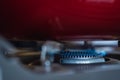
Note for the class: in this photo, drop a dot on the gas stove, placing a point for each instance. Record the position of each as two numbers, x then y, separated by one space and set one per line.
60 59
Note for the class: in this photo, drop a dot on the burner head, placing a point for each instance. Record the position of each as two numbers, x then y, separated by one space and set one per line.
87 56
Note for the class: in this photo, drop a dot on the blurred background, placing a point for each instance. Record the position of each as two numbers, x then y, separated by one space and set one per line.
46 19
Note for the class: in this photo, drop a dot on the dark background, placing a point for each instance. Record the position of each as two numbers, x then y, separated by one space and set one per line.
46 19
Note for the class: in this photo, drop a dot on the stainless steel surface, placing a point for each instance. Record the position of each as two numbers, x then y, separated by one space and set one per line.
95 43
15 71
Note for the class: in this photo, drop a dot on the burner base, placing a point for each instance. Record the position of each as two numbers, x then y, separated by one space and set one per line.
82 61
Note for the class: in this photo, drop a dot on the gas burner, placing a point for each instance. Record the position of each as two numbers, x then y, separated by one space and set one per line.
87 56
70 52
78 56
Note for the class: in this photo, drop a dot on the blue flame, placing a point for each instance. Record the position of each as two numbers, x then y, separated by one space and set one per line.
84 52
